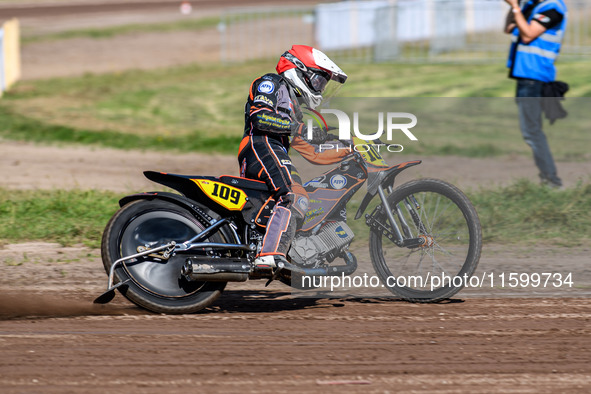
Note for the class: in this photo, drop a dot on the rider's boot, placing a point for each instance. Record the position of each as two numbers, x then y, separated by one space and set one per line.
272 261
265 261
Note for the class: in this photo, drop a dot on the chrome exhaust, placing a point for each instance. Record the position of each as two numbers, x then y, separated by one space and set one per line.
216 270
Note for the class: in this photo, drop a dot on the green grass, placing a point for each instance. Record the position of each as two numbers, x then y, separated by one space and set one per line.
137 28
177 101
67 217
528 212
520 213
200 108
18 127
449 80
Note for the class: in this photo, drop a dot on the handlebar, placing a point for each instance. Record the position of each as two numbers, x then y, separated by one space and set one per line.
347 142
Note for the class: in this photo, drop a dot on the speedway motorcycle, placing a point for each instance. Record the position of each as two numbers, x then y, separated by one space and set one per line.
175 253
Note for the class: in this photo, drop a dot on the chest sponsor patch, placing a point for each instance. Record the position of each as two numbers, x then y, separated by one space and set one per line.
266 87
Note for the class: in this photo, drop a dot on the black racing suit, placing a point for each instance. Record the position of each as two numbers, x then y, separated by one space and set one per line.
272 115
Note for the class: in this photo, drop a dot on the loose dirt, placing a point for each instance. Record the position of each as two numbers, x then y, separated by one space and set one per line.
265 341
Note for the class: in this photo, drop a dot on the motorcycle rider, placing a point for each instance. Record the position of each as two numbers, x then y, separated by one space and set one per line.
273 123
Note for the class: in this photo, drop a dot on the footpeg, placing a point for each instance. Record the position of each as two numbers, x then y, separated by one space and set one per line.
280 267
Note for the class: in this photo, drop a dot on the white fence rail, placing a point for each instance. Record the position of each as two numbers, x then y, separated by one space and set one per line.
378 30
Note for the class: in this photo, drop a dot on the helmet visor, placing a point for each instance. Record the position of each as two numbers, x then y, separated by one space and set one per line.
331 90
318 82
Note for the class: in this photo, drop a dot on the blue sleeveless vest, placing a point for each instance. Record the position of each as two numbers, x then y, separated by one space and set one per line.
536 59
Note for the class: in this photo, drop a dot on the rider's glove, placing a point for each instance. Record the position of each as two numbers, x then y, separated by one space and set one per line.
319 136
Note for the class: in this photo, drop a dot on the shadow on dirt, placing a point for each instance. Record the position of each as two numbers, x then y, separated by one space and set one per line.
262 301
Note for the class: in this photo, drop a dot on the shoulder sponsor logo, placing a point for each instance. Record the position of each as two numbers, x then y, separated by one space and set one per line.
338 182
266 87
263 99
286 162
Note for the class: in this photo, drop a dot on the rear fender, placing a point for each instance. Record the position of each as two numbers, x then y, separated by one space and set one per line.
201 213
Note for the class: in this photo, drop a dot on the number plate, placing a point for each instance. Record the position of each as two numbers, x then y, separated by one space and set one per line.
369 152
229 197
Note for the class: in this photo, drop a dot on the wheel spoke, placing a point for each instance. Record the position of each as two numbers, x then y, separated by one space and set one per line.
447 221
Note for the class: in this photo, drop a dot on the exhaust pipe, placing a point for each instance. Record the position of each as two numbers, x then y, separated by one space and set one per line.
347 269
216 270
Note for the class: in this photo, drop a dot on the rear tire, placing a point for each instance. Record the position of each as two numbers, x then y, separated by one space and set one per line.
453 242
156 284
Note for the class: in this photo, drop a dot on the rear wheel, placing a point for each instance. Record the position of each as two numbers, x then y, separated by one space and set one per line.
445 220
156 282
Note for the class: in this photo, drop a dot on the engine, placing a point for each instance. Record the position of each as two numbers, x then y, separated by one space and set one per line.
326 245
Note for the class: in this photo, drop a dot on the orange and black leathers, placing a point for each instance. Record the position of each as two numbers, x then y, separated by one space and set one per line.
273 122
271 116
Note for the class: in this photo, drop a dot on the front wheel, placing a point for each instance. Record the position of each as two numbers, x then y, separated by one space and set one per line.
447 225
156 283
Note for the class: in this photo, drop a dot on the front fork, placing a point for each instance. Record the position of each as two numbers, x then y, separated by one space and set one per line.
404 237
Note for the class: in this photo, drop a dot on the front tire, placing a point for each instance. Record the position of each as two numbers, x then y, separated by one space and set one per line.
156 284
448 221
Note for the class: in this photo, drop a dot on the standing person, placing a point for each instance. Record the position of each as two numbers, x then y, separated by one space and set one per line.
273 122
537 30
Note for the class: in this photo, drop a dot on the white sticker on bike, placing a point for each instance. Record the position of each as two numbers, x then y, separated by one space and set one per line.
338 182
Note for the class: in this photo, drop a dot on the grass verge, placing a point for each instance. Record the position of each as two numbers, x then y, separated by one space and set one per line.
200 108
66 217
527 212
522 213
17 127
136 28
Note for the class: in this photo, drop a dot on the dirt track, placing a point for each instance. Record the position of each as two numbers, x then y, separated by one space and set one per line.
256 339
31 166
254 342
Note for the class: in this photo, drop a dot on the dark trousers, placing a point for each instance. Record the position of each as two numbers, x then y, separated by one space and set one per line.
529 101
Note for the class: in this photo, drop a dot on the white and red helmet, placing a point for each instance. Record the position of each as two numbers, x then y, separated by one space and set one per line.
309 71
